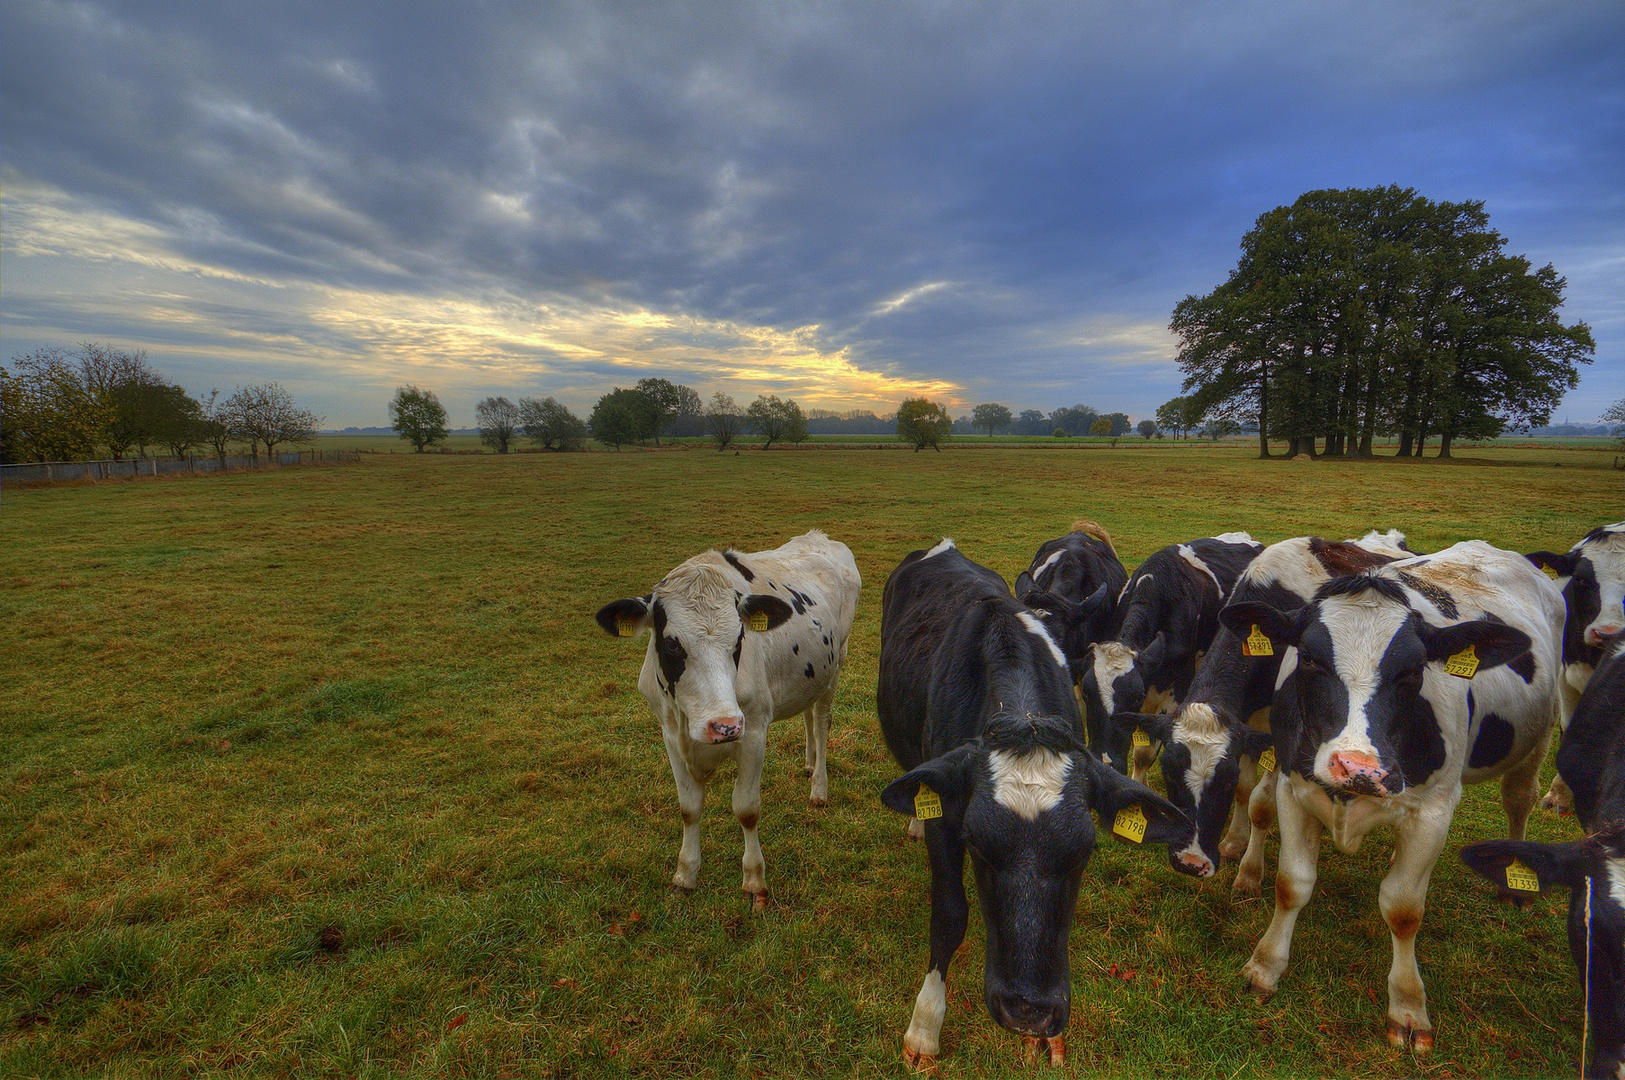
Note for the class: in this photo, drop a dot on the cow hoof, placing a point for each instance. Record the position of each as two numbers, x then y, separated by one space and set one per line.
1255 982
1557 804
920 1063
818 802
1245 887
1033 1046
1232 852
679 885
758 901
1416 1040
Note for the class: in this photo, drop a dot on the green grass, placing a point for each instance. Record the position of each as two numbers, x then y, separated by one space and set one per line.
328 772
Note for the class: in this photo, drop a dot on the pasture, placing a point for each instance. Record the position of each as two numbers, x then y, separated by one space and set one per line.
329 772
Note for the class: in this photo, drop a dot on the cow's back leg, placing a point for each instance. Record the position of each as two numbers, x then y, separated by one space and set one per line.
747 807
1558 797
691 799
1141 758
818 746
1295 871
1260 818
1520 787
1239 832
950 913
1403 898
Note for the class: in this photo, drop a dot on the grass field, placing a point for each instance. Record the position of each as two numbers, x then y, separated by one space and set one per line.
328 772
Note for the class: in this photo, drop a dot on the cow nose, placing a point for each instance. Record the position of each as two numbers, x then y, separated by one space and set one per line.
725 730
1043 1017
1356 769
1596 635
1193 863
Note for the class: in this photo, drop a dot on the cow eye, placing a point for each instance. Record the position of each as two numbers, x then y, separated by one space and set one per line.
1412 679
1308 666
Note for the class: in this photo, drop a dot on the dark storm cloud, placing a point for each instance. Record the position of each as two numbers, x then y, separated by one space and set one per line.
1037 184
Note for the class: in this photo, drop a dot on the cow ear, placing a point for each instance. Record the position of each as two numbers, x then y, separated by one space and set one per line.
1494 643
1150 658
948 777
1555 865
1160 726
759 606
624 618
1553 565
1024 584
1097 612
1281 627
1253 742
1111 793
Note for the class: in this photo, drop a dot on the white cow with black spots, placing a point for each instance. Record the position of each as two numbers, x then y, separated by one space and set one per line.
738 641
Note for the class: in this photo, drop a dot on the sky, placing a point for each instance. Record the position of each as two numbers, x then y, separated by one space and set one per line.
844 203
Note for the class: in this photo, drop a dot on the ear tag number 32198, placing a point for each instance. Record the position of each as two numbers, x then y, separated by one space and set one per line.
927 804
1521 878
1257 644
758 621
1463 665
1130 824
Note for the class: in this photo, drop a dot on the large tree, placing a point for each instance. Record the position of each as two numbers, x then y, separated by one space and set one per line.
991 418
923 422
621 417
724 419
497 419
550 425
47 412
418 417
777 421
669 403
266 413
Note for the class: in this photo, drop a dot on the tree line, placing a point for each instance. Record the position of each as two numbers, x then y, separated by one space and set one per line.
1360 313
58 405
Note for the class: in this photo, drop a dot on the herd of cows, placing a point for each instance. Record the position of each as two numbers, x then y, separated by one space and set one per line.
1321 687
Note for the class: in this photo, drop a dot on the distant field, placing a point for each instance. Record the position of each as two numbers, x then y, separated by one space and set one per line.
328 772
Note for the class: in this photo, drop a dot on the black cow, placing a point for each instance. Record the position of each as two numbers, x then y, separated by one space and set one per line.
1212 743
1592 761
976 703
1073 584
1165 619
1592 577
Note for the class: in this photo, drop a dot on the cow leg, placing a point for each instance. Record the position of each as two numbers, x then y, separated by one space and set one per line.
1295 872
1141 758
1558 797
1238 834
1403 898
1520 787
1260 817
747 806
691 798
950 912
818 747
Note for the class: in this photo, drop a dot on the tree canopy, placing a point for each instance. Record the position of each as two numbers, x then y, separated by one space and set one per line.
777 421
497 419
418 417
991 418
551 425
923 422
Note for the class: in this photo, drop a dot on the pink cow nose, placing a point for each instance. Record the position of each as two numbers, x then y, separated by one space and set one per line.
1595 635
726 730
1192 863
1357 769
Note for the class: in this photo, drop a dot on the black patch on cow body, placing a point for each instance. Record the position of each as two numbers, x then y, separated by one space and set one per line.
1524 665
796 649
733 561
668 650
809 669
797 601
1493 744
739 645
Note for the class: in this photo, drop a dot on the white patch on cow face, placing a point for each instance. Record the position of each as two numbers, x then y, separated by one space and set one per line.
1361 627
1111 659
942 545
1235 538
1046 565
1188 553
1607 557
1198 730
697 601
1028 784
1030 621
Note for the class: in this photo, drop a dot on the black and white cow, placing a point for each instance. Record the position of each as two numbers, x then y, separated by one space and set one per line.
1592 761
976 703
1404 684
1215 739
1592 577
1166 618
1073 583
740 641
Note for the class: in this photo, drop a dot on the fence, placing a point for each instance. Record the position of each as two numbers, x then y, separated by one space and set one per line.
47 472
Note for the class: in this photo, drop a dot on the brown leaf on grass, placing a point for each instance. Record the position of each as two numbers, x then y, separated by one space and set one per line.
456 1022
566 983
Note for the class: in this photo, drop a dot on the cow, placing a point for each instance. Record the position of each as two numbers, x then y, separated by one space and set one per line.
1165 619
1403 684
739 641
1592 577
1216 738
1592 761
976 704
1073 583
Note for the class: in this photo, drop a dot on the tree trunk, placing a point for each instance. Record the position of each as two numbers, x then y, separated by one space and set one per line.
1292 445
1444 445
1421 441
1404 444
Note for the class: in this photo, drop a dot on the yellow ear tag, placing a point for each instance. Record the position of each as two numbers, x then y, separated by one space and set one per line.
626 627
1266 760
1551 571
1141 738
758 621
1130 824
927 804
1521 878
1257 644
1462 665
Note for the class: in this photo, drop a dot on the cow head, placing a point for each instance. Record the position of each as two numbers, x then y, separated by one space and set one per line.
1362 724
698 624
1113 680
1599 860
1019 800
1201 766
1592 575
1072 623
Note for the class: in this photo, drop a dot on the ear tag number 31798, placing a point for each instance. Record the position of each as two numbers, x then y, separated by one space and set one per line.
1258 643
758 621
1130 824
927 804
1463 665
1521 878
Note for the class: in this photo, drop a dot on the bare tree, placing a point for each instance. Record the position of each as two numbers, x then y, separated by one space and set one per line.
266 413
497 418
724 420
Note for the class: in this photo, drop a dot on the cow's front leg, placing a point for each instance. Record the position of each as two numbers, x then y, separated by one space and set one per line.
691 798
1295 872
1238 834
818 747
1520 787
1260 819
1403 898
950 912
1558 797
747 807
